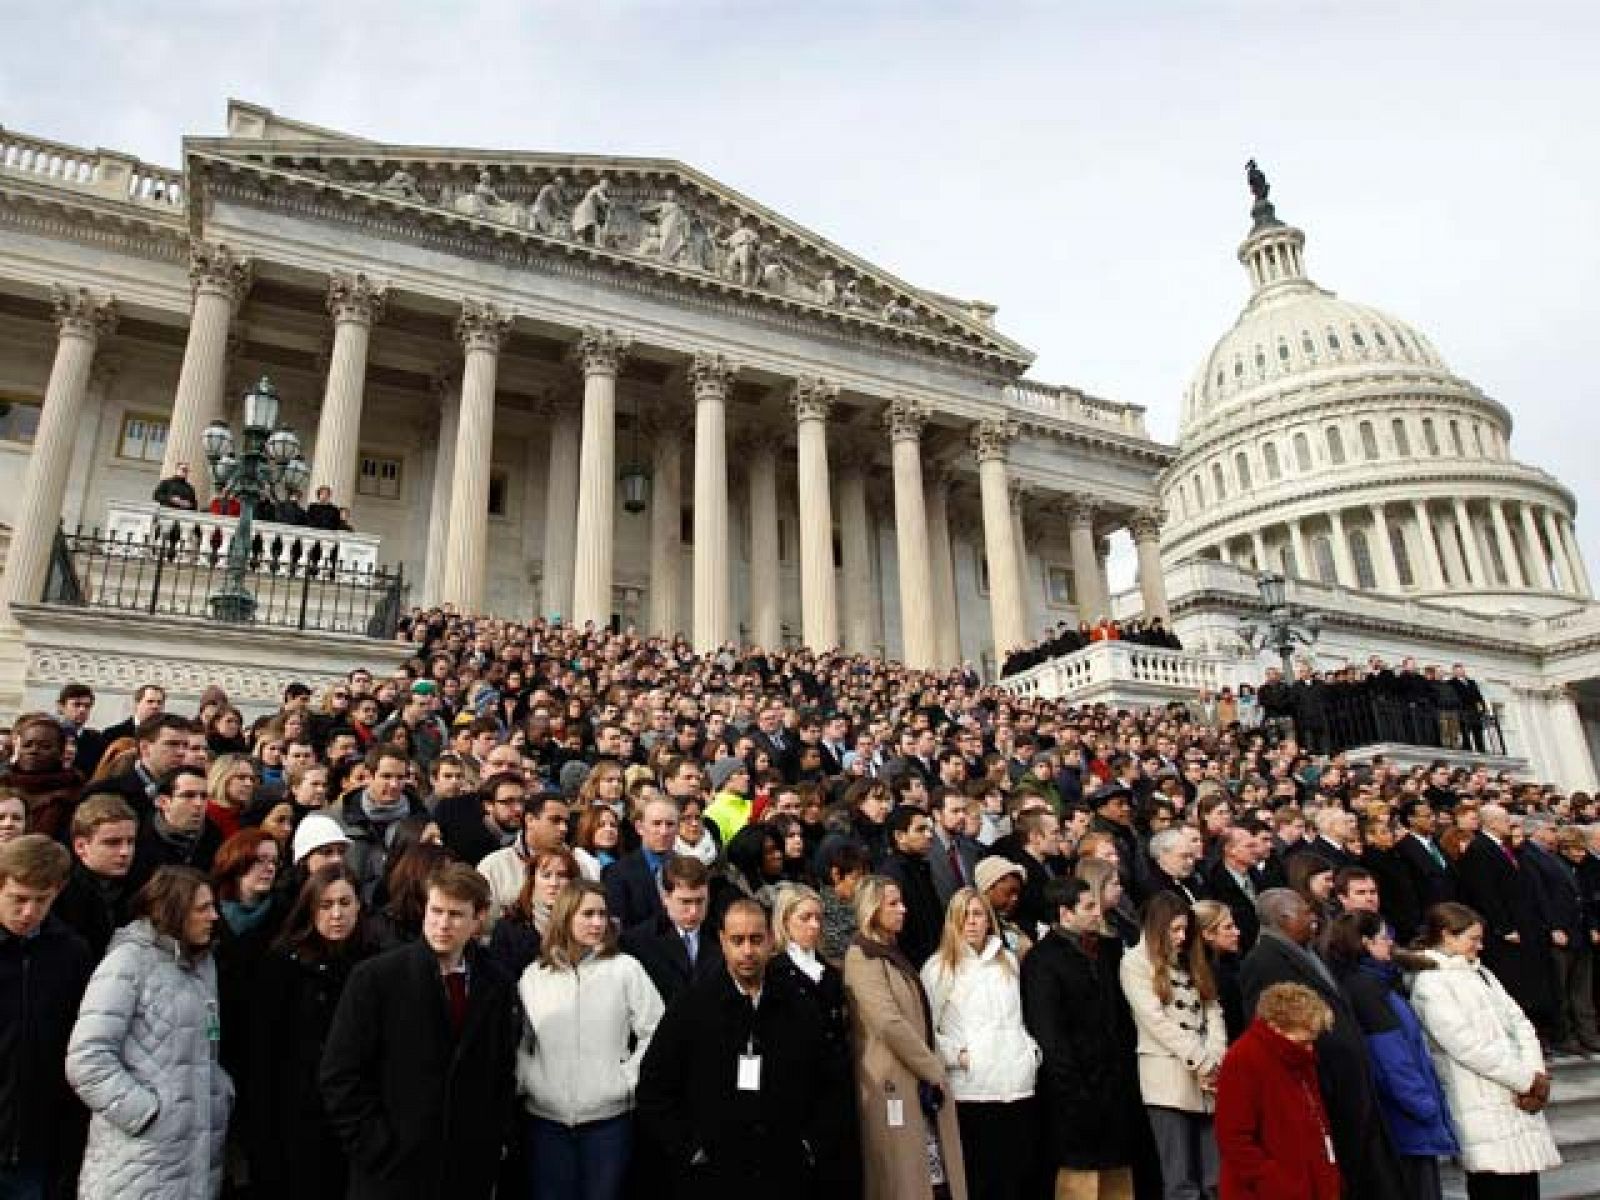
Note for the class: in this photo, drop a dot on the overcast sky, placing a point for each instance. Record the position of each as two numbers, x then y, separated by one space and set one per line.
1078 164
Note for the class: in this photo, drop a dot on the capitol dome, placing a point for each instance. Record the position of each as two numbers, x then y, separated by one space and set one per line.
1329 440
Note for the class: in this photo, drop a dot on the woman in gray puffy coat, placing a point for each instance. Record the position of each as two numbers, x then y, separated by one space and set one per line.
143 1054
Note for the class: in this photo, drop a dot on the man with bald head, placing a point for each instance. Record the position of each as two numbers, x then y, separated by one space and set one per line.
1283 954
1516 937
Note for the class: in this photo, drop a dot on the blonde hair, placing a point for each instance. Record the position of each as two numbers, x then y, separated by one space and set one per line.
560 950
1294 1008
952 941
217 776
871 892
787 900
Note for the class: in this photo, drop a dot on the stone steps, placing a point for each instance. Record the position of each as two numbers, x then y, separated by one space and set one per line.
1574 1116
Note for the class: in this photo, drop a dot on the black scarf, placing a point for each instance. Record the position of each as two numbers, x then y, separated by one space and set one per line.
890 953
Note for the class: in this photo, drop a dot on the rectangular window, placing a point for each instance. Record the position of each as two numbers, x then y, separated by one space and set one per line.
19 419
379 477
1060 592
144 439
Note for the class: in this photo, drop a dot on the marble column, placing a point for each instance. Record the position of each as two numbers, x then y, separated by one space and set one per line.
481 328
904 419
82 319
990 440
220 280
942 567
564 420
1431 574
1473 565
1080 512
1145 526
356 303
1383 558
812 401
1538 563
663 429
1508 546
445 386
1343 563
1574 556
712 376
1027 582
760 448
1305 566
600 352
1558 553
855 538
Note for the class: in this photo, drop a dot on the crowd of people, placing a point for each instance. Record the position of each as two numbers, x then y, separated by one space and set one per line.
175 491
559 912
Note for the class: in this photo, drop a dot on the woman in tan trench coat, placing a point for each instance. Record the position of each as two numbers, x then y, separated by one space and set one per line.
892 1031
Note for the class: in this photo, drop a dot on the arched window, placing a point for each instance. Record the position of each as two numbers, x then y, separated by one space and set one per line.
1238 368
1290 567
1241 470
1361 556
1307 345
1269 454
1430 436
1333 341
1261 361
1322 551
1369 440
1360 342
1455 438
1283 350
1218 487
1477 437
1302 453
1402 556
1199 490
1402 440
1335 446
1377 336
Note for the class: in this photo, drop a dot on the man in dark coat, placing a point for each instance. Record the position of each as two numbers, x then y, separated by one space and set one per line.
1309 697
1469 697
1034 845
417 1074
1283 954
1432 877
1561 902
1237 881
678 947
910 839
633 883
178 833
94 902
1072 1003
1516 937
44 969
738 1091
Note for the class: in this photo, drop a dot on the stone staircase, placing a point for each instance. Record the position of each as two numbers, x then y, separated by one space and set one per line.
1574 1116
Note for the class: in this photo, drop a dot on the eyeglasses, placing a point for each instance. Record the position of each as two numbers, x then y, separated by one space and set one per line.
267 860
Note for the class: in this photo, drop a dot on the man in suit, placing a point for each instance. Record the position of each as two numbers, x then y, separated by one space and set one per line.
74 704
1283 954
677 947
632 883
149 700
1473 708
1034 845
1380 857
1309 697
1336 828
1236 881
1432 877
954 857
1516 938
163 741
781 745
417 1074
1174 856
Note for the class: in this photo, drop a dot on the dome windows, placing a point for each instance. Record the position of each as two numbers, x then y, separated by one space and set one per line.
1241 470
1359 342
1377 336
1218 486
1335 446
1283 351
1430 436
1269 455
1333 341
1369 441
1238 368
1307 345
1402 556
1361 559
1455 438
1302 453
1402 441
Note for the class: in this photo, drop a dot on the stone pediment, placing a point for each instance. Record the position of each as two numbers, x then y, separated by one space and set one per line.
642 214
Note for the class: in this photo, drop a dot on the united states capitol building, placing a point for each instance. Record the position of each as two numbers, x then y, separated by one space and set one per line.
614 389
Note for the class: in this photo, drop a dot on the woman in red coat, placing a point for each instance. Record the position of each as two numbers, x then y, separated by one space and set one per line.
1271 1128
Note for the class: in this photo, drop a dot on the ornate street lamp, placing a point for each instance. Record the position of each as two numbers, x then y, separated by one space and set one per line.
1286 626
269 458
635 476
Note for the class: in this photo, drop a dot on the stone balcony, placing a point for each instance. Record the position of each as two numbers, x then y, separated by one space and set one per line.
141 522
1126 675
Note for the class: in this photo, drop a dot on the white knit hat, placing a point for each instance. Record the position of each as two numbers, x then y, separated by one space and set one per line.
316 831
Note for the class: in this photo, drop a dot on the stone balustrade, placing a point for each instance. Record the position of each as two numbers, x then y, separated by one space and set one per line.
1058 401
139 523
118 176
1126 675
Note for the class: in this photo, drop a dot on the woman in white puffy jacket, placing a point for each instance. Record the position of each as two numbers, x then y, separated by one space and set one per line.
1182 1038
1487 1056
975 991
577 1075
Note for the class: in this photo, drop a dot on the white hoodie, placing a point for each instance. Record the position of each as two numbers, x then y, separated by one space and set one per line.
979 1009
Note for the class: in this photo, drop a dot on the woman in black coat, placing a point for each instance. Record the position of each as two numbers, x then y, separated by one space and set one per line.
293 1150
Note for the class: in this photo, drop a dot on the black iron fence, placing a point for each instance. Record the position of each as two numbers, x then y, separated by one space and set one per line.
1345 722
296 583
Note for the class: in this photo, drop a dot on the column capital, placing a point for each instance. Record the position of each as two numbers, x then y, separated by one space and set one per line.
601 351
1080 511
481 326
1145 524
214 267
904 419
813 398
353 296
990 439
711 375
81 313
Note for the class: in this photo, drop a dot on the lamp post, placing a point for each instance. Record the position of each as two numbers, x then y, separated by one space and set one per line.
269 456
1287 625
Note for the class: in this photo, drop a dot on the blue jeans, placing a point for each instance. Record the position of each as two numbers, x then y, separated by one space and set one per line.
578 1162
23 1183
